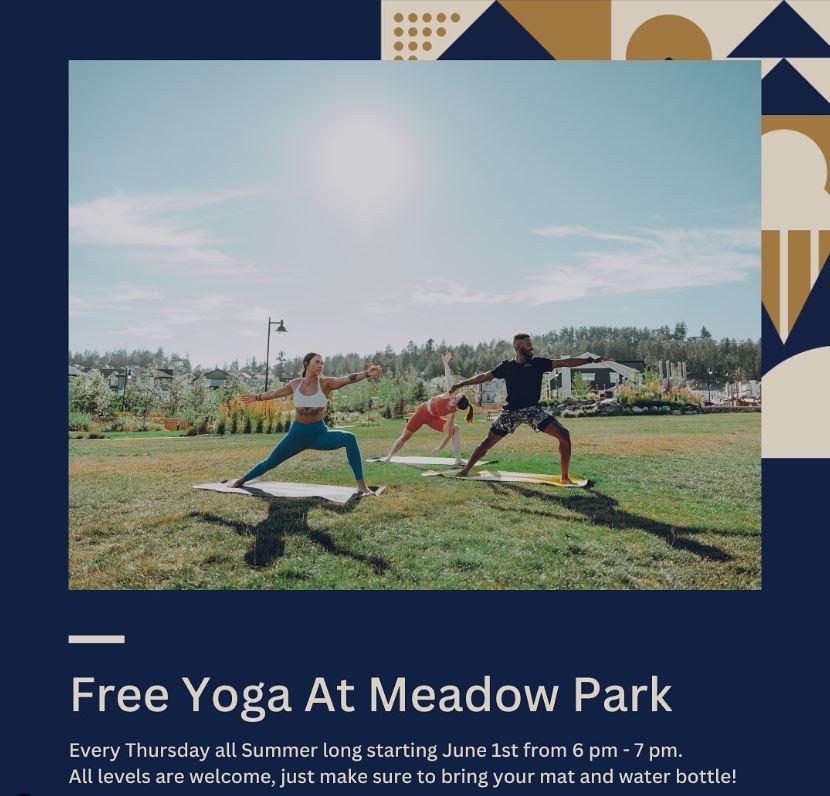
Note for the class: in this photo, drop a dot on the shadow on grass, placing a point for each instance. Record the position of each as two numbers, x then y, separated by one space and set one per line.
289 518
600 509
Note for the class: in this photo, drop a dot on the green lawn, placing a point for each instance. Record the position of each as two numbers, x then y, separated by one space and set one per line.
675 504
130 434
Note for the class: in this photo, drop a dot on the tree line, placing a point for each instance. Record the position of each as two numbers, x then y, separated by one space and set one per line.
727 359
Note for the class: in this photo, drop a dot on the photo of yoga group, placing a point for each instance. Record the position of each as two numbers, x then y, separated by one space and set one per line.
379 326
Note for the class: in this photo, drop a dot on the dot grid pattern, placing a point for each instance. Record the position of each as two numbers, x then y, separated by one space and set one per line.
414 32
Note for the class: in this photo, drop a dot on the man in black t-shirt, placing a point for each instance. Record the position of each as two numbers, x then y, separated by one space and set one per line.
523 376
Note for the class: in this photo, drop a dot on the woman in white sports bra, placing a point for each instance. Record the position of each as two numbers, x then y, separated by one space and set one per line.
308 431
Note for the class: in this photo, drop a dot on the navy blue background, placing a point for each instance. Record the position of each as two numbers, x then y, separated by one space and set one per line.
747 669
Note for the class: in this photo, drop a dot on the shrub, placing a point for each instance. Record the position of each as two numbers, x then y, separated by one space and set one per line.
281 422
247 425
201 402
683 395
259 425
579 385
118 423
79 421
89 393
221 424
202 427
233 427
625 394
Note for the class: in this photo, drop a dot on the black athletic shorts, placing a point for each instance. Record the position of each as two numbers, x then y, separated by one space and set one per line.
510 419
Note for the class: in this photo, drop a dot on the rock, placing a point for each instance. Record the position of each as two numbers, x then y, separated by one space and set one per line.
637 410
665 410
676 412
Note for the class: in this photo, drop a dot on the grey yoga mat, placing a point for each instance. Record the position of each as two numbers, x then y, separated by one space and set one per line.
287 489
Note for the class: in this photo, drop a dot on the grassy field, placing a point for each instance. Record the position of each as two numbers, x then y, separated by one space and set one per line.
675 504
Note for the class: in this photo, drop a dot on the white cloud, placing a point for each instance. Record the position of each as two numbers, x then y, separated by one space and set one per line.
448 291
218 315
387 305
115 298
166 230
144 316
554 231
664 259
153 221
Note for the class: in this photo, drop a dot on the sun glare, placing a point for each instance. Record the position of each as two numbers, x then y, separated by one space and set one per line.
365 162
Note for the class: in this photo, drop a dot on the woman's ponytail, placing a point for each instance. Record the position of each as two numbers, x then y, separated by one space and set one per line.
465 404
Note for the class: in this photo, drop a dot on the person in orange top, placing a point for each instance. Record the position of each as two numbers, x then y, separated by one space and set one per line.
439 414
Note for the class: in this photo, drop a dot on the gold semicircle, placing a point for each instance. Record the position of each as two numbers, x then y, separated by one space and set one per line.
668 37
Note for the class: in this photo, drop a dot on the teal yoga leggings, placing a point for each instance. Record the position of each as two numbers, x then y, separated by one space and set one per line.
311 436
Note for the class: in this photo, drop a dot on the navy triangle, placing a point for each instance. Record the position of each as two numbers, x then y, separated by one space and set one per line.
785 91
496 35
811 329
782 34
772 349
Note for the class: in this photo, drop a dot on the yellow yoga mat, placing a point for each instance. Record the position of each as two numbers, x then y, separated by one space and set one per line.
422 460
506 476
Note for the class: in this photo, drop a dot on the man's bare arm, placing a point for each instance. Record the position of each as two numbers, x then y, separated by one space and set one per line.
478 379
575 362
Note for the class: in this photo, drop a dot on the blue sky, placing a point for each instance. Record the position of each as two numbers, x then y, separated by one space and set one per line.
373 203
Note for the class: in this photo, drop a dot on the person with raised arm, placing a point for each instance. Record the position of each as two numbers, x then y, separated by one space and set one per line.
439 414
309 431
523 377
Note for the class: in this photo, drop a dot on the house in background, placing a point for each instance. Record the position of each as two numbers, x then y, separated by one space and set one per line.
158 379
491 392
74 372
163 380
602 376
213 378
257 380
116 378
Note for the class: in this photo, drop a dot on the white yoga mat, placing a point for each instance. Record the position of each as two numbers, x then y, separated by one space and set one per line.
287 489
432 461
509 477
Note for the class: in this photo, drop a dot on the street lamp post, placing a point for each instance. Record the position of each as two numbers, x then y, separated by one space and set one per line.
709 383
280 329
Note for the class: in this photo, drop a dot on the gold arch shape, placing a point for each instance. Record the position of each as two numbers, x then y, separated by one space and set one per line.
668 36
